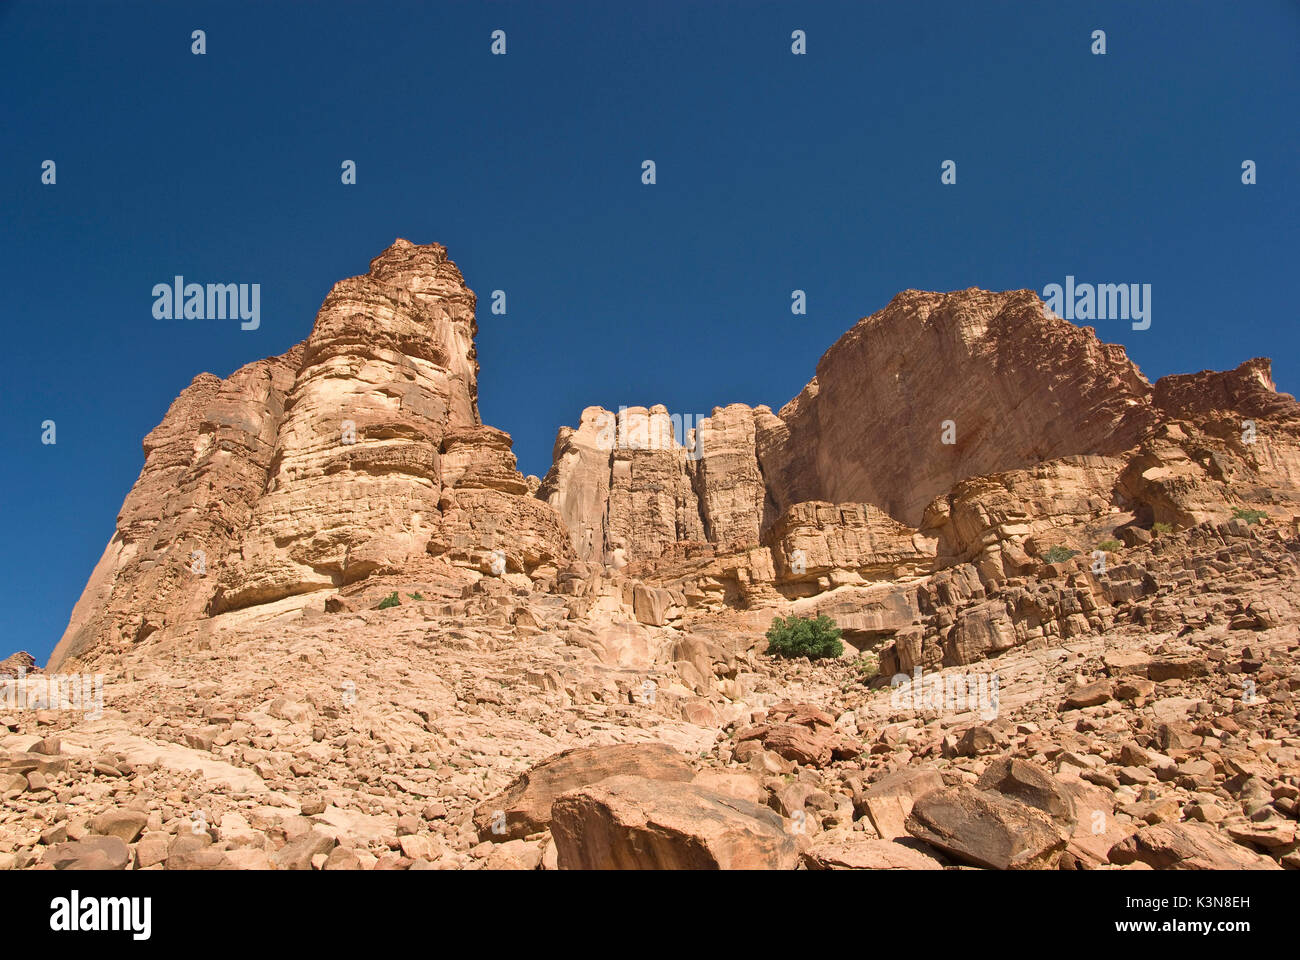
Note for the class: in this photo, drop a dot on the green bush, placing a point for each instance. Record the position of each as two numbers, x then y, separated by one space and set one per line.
1059 554
1110 546
804 637
1250 516
390 601
416 596
1161 528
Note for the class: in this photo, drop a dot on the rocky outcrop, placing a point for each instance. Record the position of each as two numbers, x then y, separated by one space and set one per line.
1005 382
635 484
1021 389
205 467
386 375
820 543
524 807
18 664
1230 441
340 625
358 453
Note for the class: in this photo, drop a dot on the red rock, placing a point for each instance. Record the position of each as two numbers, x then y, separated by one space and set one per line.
986 829
524 807
633 823
1187 846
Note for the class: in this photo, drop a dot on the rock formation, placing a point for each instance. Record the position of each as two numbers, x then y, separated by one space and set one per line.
358 452
337 621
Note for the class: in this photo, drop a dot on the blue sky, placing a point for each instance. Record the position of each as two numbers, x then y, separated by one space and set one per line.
775 172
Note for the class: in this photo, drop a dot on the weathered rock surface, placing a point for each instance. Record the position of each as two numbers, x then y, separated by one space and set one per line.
634 823
986 829
524 808
867 855
358 453
1186 846
326 654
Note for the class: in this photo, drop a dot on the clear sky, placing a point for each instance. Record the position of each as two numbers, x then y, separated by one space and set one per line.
775 172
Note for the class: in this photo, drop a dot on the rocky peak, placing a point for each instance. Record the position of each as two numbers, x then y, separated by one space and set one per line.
321 467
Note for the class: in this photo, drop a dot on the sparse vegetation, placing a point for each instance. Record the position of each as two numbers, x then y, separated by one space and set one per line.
390 601
804 637
1110 546
867 665
1159 528
415 596
1249 515
1059 554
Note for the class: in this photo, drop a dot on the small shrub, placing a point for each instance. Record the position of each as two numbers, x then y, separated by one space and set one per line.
1110 546
1161 528
1059 554
390 601
415 596
867 665
804 637
1250 516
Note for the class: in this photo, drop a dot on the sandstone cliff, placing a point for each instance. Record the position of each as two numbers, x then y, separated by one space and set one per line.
585 656
933 391
968 433
358 452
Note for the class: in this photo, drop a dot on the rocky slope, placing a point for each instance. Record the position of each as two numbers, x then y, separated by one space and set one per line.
338 629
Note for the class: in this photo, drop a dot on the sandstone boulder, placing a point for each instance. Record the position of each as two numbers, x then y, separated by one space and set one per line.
866 854
986 829
524 807
1187 846
634 823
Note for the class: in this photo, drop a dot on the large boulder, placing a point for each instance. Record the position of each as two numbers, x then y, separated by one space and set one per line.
635 823
91 853
524 807
888 801
986 829
127 825
1187 846
1023 781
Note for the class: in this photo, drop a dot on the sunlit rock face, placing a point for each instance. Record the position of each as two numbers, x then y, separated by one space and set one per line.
359 452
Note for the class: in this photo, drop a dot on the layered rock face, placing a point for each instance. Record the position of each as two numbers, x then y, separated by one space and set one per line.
975 418
967 438
387 372
205 467
1229 439
358 453
1012 385
338 622
633 484
1006 383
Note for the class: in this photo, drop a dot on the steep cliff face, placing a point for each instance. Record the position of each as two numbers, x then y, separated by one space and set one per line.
931 390
967 433
360 452
938 387
632 484
205 466
1227 440
387 372
977 420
